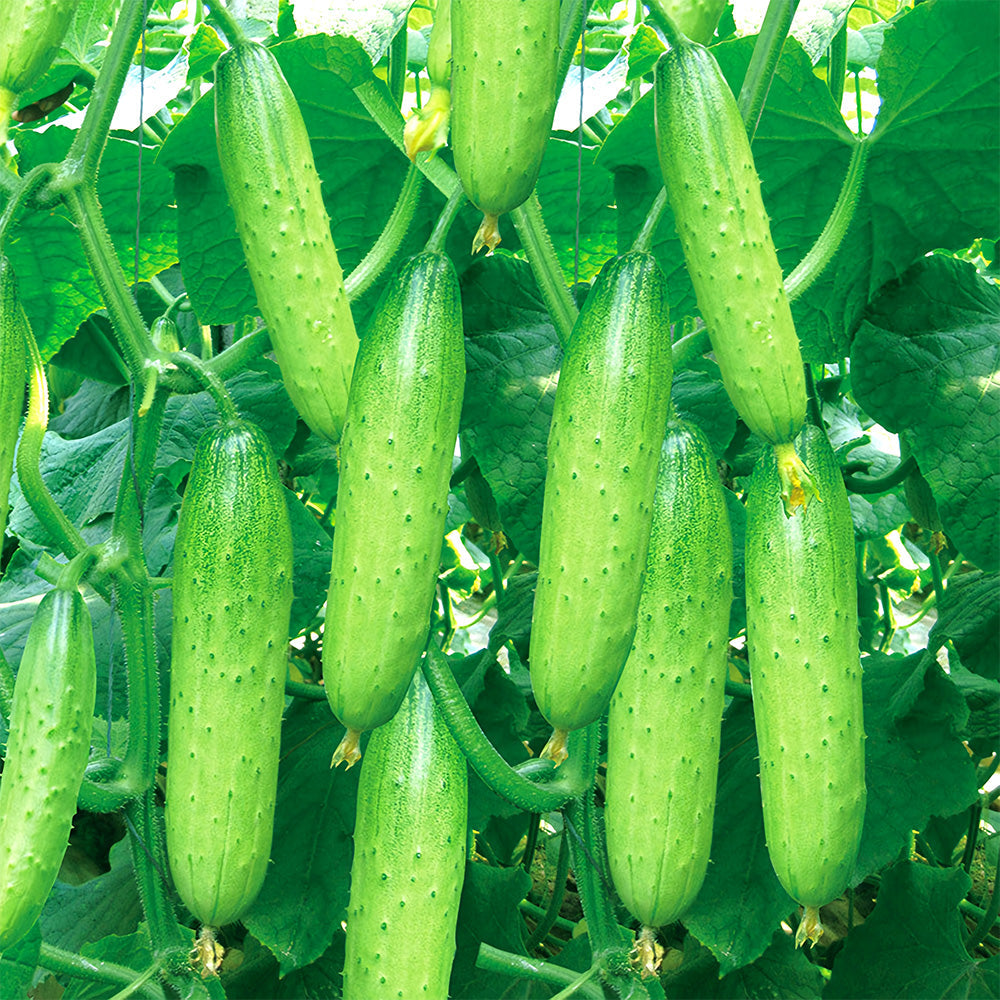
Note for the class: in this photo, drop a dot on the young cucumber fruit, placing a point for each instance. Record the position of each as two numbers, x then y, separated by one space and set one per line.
409 857
665 719
503 93
395 463
232 598
13 376
47 752
802 638
608 423
269 174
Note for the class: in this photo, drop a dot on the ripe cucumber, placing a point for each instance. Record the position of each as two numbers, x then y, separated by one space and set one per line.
47 752
232 594
802 636
409 857
666 713
269 174
395 463
503 93
608 423
730 256
13 376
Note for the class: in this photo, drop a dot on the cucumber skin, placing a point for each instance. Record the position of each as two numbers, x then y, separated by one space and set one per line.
232 596
31 34
724 231
13 378
47 752
503 93
409 856
396 459
270 176
802 637
665 720
608 423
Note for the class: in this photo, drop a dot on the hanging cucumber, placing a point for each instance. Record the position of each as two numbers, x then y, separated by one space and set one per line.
503 94
665 718
395 463
608 423
47 751
730 256
13 378
232 597
426 129
269 174
409 857
802 638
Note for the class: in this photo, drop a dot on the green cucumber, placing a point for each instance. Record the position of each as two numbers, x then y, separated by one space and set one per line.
409 857
802 638
47 752
608 423
426 129
665 720
503 93
392 499
730 256
13 378
270 176
232 598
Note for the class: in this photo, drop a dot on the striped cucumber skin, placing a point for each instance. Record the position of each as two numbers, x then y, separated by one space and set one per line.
232 598
395 463
13 376
503 94
802 635
714 191
31 33
409 857
270 176
665 719
608 423
47 752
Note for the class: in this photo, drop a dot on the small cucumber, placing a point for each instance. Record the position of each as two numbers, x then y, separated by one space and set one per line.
270 176
608 423
409 857
47 752
426 129
13 377
232 598
392 499
503 93
665 718
802 637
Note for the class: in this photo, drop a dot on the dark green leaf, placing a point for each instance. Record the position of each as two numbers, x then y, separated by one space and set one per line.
698 395
204 49
513 622
969 617
313 548
17 965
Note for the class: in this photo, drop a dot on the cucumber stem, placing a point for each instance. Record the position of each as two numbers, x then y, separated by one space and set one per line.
764 61
217 389
505 963
883 483
644 240
547 920
836 65
68 963
230 26
439 235
26 187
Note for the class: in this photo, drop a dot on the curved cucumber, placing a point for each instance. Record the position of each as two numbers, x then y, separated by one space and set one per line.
503 95
13 378
802 637
395 458
666 714
232 594
47 752
608 423
409 857
714 191
270 176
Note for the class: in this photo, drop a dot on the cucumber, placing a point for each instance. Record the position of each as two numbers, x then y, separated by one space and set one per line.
664 724
503 93
13 378
269 174
426 129
392 499
730 256
232 598
409 857
802 638
47 752
608 423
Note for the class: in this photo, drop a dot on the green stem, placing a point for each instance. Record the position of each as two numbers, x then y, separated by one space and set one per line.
828 242
219 13
530 842
225 364
390 239
309 692
536 912
937 579
836 65
690 348
545 266
217 389
505 963
436 241
547 920
737 690
661 14
883 483
645 238
857 104
482 755
92 970
972 835
764 61
572 17
989 918
26 187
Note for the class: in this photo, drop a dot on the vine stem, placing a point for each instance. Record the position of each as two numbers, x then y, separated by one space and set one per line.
505 963
989 917
436 241
547 921
230 26
764 61
94 970
26 187
217 389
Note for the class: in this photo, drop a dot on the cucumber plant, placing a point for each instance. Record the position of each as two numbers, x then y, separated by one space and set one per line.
13 377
